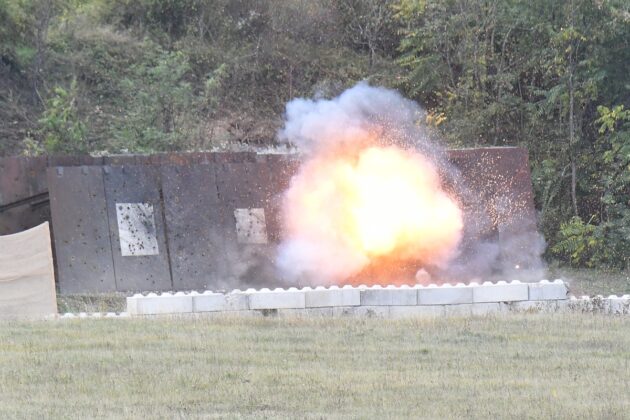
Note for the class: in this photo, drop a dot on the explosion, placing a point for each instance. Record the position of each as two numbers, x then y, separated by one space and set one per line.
360 199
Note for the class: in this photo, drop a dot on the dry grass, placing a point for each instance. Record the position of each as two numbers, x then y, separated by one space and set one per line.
94 302
526 366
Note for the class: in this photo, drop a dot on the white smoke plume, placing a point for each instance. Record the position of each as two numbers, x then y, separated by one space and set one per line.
375 189
368 189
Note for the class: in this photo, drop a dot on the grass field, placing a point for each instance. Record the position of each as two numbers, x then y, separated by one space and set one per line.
593 282
519 366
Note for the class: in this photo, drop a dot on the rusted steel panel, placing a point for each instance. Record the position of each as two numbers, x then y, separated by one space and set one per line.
23 198
21 218
72 160
498 203
220 213
134 208
281 168
81 230
248 186
14 181
500 178
194 223
234 157
119 160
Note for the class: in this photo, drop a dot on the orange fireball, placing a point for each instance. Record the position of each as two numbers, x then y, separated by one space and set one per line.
352 209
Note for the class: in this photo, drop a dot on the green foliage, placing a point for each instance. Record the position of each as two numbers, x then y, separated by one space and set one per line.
534 74
606 243
81 76
578 242
158 101
14 33
615 182
61 127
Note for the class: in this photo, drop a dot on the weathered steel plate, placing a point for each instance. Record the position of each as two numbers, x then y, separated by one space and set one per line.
195 235
248 185
140 185
81 230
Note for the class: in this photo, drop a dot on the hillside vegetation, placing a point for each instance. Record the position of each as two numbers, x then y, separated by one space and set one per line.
111 76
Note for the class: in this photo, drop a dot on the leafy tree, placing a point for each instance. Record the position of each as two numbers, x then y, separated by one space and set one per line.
158 101
531 74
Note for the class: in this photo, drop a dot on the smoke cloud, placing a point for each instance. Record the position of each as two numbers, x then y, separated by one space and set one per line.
375 194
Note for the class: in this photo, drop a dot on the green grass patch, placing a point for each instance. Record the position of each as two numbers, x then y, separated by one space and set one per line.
520 366
592 282
92 302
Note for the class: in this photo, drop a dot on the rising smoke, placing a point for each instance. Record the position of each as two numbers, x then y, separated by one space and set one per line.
375 189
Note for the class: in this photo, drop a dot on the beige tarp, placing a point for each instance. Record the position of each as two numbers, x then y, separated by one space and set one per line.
27 279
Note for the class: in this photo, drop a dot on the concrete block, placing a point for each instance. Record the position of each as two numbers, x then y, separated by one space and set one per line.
500 292
132 303
236 302
563 305
460 310
545 290
482 309
389 296
367 311
586 304
208 302
306 313
166 303
532 306
277 299
618 305
445 295
230 314
343 311
321 297
415 311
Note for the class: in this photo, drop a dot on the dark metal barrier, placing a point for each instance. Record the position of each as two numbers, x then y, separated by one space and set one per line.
187 221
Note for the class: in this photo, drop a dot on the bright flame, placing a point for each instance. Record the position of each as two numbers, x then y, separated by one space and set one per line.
343 211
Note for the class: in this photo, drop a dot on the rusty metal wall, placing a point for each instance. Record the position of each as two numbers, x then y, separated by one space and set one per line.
499 207
246 186
23 194
137 184
24 189
82 239
194 225
196 202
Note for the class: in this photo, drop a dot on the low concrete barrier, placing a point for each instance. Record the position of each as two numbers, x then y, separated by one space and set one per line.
27 279
378 301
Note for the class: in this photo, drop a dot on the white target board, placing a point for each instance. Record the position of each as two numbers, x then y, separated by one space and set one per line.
251 227
136 229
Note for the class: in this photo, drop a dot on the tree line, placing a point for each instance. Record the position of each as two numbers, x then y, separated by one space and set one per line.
99 76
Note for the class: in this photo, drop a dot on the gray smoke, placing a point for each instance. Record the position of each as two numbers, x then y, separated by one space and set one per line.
496 244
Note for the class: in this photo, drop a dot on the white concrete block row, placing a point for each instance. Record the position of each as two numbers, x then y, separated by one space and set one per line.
88 315
410 311
613 304
546 290
389 296
322 297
